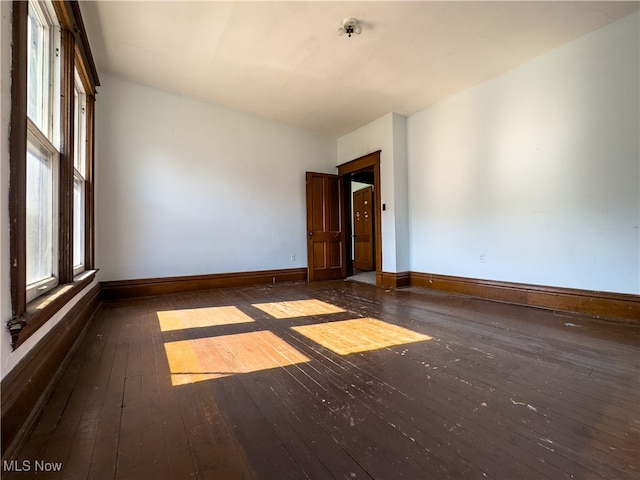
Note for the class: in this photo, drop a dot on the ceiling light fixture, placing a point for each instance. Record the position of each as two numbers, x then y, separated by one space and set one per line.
349 26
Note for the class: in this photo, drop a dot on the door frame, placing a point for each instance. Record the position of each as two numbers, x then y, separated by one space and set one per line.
366 162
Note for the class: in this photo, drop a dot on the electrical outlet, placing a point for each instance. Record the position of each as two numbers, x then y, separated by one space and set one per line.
482 258
293 257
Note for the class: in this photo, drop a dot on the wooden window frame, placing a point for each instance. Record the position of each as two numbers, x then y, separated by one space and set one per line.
84 143
75 53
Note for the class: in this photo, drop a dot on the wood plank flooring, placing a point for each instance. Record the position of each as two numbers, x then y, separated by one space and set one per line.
434 386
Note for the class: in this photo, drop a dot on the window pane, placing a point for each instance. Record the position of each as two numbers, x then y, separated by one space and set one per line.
39 215
37 71
78 222
79 139
76 123
80 132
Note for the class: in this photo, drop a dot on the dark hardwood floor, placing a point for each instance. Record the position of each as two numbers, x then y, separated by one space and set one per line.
174 387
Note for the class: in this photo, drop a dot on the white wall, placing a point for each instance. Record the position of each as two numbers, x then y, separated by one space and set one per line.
537 170
388 134
186 187
377 135
401 191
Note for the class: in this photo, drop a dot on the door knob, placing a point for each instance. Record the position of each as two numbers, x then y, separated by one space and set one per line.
311 234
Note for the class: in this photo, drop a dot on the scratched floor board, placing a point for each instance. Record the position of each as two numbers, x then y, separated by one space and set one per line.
339 372
169 451
546 348
574 469
397 405
93 387
558 402
271 383
338 376
283 428
75 438
273 403
441 408
441 370
523 341
345 420
66 404
577 467
104 460
499 392
164 408
477 412
153 454
541 432
586 394
569 385
268 394
213 447
585 411
457 366
559 374
129 450
283 384
572 400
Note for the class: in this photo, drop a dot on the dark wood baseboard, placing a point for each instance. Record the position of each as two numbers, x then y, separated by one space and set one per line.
149 287
395 280
28 385
616 306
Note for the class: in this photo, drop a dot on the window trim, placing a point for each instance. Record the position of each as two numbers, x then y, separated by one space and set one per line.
74 49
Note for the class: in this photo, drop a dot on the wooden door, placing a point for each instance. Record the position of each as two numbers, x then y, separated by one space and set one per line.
363 229
325 236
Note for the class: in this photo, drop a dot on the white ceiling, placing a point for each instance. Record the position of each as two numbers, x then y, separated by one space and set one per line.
284 60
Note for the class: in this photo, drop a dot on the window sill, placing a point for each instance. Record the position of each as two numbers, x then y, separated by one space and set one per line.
41 309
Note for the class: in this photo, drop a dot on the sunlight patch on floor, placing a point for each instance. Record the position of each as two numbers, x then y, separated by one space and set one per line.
359 335
298 308
201 317
216 357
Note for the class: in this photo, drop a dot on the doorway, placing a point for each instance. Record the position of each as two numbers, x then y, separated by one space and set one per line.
362 225
361 211
362 221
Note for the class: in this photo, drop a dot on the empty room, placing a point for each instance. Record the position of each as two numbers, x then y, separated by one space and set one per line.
318 240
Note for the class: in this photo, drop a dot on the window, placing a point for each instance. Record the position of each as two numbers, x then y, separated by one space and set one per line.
43 85
53 88
79 174
41 218
38 66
